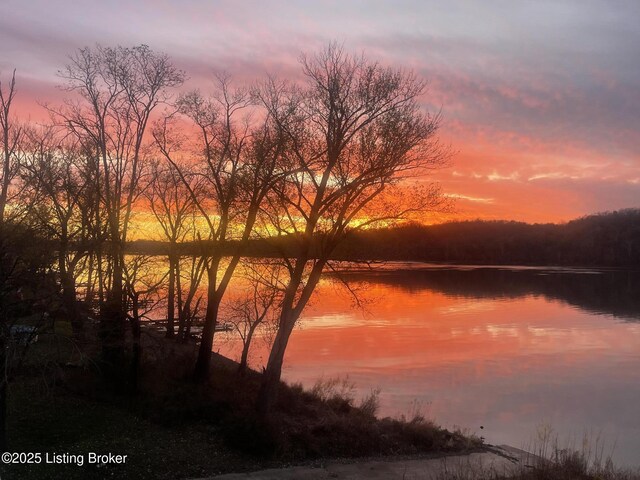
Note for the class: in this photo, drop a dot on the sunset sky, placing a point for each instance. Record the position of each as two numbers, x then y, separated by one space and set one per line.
541 99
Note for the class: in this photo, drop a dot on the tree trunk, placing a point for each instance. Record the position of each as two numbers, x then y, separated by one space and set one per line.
181 318
242 368
68 284
71 305
171 295
137 347
6 164
201 372
100 273
188 320
214 299
88 295
291 311
113 316
268 394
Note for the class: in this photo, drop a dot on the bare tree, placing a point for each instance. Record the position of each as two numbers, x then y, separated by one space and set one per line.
142 284
257 306
357 132
10 137
189 299
118 89
173 207
236 165
57 183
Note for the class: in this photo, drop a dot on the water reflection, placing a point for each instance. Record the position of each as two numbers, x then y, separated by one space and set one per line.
504 348
613 292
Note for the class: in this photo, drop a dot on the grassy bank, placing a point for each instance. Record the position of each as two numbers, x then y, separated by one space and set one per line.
563 465
173 428
552 460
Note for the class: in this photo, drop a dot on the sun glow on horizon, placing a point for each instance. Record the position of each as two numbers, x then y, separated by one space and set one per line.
542 116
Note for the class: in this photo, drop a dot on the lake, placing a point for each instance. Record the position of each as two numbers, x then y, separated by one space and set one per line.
510 349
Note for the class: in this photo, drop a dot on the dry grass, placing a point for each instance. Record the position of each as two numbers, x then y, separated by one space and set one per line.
552 461
173 427
328 421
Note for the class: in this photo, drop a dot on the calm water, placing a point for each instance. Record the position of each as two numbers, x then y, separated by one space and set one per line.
509 349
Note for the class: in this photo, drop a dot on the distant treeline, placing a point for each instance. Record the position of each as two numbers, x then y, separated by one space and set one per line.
605 239
608 239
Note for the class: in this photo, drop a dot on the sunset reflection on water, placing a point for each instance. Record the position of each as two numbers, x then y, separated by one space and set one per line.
506 350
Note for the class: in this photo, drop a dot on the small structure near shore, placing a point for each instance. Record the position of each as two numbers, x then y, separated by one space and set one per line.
23 334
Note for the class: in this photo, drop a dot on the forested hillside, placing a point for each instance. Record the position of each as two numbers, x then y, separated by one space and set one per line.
611 238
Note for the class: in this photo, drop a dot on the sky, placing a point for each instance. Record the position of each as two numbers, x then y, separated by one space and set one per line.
540 99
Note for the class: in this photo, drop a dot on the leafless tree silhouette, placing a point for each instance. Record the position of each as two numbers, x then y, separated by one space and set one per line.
117 91
11 134
257 306
357 131
236 165
173 207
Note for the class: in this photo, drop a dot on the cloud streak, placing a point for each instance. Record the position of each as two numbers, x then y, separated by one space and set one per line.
540 99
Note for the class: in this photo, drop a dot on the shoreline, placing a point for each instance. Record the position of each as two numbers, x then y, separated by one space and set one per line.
499 460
